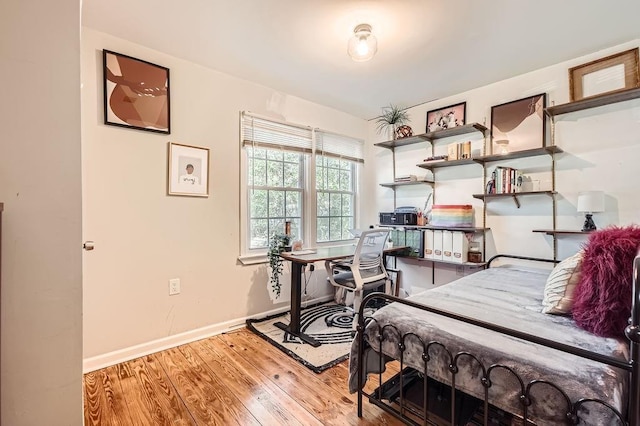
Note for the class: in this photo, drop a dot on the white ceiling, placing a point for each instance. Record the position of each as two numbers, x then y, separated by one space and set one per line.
427 49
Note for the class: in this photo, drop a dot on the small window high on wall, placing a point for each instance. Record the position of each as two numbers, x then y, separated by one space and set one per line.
298 174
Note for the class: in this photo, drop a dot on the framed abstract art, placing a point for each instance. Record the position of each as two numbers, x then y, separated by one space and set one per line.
136 93
518 125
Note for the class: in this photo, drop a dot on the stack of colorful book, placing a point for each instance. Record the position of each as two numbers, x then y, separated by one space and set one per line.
505 180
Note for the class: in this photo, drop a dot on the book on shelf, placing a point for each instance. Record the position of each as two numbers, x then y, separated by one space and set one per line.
452 151
405 178
505 180
436 158
464 150
459 151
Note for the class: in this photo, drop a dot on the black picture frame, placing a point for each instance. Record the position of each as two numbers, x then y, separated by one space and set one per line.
441 118
513 121
136 93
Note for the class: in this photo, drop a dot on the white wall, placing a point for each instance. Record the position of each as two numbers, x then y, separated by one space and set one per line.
144 237
41 187
602 147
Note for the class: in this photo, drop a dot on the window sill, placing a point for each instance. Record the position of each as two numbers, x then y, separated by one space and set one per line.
253 259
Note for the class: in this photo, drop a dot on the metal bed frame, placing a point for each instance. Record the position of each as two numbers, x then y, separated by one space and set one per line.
400 408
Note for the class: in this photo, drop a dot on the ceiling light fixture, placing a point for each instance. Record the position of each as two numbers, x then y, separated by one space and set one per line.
362 45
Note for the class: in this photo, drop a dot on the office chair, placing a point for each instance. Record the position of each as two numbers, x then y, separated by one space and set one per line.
365 271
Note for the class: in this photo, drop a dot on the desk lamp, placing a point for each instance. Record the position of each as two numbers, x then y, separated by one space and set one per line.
590 202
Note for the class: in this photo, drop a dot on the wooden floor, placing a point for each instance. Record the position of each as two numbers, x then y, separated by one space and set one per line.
231 379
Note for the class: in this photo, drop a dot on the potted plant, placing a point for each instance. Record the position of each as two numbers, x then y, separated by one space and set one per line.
277 244
391 118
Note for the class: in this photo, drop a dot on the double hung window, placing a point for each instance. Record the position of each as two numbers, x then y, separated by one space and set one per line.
293 173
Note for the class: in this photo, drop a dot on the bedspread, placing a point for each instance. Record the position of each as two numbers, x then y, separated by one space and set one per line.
510 297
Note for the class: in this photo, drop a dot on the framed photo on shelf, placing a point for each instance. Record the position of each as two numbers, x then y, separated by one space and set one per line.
188 172
136 93
610 74
518 125
446 118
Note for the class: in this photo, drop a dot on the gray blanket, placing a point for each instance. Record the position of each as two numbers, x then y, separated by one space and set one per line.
510 297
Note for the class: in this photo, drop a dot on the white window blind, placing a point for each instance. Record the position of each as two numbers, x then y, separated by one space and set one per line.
271 134
339 146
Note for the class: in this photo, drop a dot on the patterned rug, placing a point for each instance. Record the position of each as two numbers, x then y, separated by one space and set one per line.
328 323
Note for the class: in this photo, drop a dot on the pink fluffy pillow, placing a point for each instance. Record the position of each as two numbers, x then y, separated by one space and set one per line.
603 295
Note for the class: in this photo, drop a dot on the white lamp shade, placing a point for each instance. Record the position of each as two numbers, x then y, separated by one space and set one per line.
591 201
362 45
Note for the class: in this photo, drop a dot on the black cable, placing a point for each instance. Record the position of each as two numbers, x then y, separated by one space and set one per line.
306 279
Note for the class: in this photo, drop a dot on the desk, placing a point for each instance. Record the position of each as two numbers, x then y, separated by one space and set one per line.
298 261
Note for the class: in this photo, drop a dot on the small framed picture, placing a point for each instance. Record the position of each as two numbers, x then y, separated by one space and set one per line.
446 118
610 74
518 125
136 93
188 170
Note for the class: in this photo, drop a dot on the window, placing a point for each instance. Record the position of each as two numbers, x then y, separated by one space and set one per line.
276 181
335 194
297 174
336 172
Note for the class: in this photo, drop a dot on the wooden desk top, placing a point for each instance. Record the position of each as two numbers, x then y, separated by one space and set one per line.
330 253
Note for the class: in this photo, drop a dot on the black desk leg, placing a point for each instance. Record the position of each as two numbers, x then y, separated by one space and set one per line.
296 300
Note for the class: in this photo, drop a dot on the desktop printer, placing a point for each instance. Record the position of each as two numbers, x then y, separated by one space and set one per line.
400 216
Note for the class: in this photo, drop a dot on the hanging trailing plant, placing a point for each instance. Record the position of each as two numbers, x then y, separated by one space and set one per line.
392 117
277 244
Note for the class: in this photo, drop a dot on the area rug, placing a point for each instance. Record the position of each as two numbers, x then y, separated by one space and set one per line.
328 323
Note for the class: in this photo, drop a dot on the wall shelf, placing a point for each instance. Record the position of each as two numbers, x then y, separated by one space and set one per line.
468 264
446 163
514 195
593 102
409 183
562 232
441 228
402 142
546 150
455 131
432 136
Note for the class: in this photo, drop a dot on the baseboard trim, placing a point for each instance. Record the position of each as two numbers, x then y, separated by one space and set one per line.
132 352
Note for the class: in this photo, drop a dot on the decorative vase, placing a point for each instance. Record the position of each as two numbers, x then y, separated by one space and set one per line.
403 131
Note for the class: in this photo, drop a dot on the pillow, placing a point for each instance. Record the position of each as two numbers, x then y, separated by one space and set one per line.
602 302
561 284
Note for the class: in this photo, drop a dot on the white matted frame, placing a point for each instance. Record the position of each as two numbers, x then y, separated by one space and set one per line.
605 75
188 171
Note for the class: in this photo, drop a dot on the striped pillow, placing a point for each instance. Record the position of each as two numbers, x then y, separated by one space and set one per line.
561 284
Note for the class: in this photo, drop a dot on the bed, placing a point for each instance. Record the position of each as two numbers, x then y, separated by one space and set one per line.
484 336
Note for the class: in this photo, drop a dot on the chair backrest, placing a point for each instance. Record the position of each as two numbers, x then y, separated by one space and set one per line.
369 251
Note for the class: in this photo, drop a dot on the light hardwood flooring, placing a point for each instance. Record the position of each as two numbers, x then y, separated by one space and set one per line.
231 379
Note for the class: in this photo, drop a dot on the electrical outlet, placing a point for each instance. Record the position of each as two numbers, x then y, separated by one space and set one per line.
174 286
460 271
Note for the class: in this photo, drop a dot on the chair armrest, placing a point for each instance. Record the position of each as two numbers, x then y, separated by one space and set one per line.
328 266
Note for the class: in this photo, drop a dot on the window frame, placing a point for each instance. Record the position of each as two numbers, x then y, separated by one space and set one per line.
309 200
251 187
353 192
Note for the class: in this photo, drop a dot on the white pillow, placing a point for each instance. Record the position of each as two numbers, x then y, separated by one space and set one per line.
561 284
